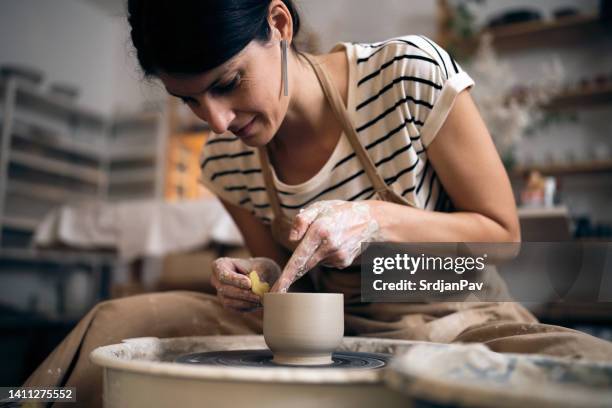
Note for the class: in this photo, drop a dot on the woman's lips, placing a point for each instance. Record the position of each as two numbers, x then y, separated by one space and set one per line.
246 131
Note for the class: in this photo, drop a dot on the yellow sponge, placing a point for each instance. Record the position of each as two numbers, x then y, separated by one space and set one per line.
257 286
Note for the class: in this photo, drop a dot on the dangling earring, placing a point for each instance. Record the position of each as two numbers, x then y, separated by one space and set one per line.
284 67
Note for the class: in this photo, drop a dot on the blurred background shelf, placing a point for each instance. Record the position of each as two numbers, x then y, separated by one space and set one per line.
131 177
20 223
45 192
538 33
131 153
56 152
533 34
57 142
32 97
69 170
583 98
133 120
596 166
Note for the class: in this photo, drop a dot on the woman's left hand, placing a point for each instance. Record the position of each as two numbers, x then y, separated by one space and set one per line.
332 234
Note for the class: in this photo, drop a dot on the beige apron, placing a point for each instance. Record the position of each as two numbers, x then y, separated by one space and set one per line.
502 326
431 321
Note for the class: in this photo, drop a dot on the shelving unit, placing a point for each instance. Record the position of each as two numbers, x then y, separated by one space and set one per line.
44 141
561 32
136 156
532 34
54 152
569 38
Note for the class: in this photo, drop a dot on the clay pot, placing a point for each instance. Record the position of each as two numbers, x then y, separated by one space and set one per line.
303 328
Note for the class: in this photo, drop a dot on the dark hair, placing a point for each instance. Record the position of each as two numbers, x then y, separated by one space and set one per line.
193 36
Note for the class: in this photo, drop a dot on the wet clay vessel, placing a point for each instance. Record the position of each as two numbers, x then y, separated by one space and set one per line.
303 328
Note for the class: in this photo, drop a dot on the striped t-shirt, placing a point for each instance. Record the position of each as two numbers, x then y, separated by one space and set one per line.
400 91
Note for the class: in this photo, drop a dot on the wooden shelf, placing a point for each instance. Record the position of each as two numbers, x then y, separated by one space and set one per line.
545 32
136 119
598 166
56 141
130 153
46 192
575 99
533 34
20 223
582 98
58 167
132 176
32 97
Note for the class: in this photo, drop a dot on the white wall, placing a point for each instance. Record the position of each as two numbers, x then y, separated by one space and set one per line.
70 40
131 91
367 20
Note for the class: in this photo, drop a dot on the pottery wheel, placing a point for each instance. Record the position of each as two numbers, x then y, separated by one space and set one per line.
263 358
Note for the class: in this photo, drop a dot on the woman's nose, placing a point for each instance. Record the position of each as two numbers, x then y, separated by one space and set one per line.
215 113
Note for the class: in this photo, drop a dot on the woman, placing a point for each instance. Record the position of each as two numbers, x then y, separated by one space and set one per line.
313 155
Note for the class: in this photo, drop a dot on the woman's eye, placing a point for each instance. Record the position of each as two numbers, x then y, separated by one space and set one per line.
228 87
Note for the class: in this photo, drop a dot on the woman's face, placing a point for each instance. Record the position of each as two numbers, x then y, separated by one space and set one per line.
242 96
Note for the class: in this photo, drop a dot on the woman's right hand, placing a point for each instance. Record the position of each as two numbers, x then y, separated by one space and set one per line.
230 277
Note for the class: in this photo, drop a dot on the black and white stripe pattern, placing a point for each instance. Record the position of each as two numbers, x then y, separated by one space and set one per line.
394 89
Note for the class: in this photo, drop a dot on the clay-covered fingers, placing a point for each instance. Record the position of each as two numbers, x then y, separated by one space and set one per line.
306 216
232 285
230 271
302 221
233 292
338 259
306 256
235 298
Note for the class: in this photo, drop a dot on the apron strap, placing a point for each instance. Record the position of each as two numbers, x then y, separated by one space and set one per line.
337 105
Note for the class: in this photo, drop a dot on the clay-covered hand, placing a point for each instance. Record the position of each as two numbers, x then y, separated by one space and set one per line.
230 277
332 232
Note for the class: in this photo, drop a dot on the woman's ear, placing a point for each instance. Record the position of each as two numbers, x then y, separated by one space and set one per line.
281 23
